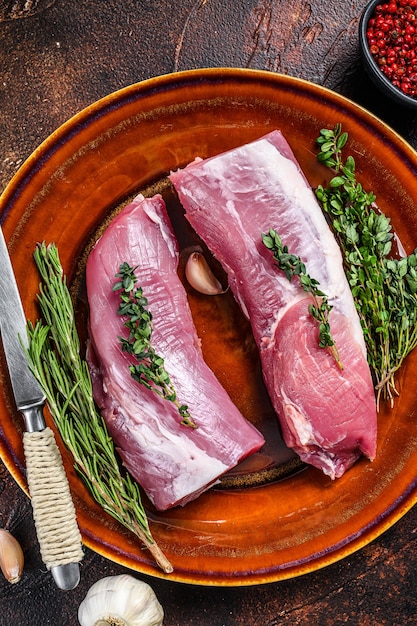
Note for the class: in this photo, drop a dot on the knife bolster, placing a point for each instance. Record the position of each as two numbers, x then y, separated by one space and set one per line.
34 420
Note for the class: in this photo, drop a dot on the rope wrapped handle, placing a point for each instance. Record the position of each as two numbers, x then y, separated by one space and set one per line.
53 509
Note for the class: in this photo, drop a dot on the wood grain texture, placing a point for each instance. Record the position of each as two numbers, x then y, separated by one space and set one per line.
60 59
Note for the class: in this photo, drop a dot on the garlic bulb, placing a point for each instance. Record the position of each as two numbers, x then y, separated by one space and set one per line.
120 601
11 557
200 276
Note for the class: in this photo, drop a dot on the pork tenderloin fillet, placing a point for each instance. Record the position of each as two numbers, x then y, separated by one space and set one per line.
327 415
172 462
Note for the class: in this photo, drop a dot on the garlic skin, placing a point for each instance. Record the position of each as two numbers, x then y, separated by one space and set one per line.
200 276
120 601
11 557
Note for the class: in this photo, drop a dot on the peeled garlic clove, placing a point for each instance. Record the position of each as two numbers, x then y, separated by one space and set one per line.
11 557
122 601
200 276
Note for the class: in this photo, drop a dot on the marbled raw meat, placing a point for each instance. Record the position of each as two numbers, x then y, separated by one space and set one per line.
172 462
327 415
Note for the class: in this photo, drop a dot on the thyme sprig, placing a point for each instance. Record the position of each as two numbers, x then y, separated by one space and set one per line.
384 288
320 308
54 358
149 370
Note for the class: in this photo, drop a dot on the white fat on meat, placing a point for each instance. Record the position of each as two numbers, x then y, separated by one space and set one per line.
326 414
172 462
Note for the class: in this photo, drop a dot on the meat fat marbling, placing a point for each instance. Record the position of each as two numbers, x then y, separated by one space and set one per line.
172 462
327 415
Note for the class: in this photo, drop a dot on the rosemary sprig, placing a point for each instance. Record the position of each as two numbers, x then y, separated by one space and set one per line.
54 358
150 367
384 288
320 308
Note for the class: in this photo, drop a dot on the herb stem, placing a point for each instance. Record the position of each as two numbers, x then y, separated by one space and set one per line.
54 358
292 266
149 369
384 288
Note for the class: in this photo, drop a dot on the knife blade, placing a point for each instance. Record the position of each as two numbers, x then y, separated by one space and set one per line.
51 499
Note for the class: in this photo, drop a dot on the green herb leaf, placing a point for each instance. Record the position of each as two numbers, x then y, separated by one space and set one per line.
383 288
292 266
150 367
54 358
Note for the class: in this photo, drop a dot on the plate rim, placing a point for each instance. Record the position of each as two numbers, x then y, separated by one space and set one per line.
170 81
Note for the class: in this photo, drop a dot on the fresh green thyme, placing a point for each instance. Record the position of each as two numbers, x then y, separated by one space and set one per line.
320 308
150 367
384 288
54 358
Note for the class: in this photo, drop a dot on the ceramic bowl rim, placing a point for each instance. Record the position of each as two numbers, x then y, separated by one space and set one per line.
378 78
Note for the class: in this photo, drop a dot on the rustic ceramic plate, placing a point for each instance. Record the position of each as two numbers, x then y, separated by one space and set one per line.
252 532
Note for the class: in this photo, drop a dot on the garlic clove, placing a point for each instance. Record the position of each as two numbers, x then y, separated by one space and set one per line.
11 557
200 276
122 600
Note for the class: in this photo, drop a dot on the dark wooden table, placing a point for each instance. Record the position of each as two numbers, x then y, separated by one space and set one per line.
58 56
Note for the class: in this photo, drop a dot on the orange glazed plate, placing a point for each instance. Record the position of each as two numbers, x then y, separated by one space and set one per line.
271 519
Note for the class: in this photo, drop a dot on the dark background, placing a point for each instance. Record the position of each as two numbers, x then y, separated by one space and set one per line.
57 57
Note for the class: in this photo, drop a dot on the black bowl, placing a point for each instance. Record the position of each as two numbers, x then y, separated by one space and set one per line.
372 68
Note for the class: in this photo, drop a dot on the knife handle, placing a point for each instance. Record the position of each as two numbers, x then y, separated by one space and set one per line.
53 509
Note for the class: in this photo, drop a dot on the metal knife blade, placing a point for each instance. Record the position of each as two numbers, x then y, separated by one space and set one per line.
29 398
26 390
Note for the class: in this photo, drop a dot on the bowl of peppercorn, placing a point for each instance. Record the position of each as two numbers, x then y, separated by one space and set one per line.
388 40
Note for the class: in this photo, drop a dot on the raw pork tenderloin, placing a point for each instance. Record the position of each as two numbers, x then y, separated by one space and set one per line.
172 462
327 416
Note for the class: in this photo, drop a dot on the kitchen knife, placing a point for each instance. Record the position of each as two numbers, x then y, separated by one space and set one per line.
53 510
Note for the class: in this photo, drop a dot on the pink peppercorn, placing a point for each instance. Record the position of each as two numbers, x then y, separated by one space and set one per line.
392 40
